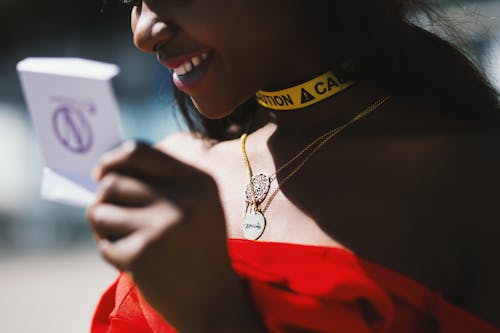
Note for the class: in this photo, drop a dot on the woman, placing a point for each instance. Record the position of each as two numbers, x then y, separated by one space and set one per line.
372 207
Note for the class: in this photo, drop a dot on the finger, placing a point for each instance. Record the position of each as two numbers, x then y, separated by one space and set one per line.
109 156
139 160
124 190
112 222
122 253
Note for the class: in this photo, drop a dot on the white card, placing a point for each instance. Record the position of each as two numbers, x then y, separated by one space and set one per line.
76 118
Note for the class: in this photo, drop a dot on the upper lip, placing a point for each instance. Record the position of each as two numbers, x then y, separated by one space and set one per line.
173 62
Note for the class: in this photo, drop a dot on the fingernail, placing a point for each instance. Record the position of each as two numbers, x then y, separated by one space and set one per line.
103 244
128 146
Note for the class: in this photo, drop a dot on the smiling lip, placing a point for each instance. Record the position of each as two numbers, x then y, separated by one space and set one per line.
188 69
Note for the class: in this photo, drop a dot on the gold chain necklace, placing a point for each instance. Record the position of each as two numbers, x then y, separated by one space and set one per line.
254 222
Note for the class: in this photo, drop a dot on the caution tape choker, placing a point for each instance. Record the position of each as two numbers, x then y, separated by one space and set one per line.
303 95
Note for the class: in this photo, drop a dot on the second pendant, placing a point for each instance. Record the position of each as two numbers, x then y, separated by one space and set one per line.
254 225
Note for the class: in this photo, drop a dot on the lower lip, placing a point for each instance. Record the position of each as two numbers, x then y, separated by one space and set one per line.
189 81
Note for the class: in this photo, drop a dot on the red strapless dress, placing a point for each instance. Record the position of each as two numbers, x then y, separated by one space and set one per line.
300 288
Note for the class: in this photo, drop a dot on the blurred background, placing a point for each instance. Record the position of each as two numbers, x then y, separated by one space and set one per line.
51 275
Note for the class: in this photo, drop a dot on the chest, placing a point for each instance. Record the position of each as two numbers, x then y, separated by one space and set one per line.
388 203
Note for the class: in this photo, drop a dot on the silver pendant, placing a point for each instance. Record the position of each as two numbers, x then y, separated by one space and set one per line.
254 225
261 184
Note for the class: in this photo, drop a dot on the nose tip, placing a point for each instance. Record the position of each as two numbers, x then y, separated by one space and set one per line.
150 32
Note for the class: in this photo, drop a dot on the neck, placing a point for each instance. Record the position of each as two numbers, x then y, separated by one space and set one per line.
309 122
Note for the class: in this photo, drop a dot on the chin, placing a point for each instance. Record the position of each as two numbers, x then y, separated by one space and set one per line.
213 112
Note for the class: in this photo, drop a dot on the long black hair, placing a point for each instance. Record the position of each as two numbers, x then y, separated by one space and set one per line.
387 47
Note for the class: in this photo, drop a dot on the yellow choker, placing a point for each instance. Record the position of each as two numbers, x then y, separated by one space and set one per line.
303 95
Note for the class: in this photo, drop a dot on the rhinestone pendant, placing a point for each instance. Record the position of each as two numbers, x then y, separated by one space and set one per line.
254 225
261 184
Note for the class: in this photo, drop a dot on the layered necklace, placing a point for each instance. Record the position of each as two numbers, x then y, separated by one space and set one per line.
258 196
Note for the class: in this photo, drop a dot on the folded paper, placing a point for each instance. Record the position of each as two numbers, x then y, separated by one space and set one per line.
76 119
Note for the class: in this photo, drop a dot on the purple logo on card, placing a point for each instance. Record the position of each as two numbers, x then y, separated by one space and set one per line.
72 128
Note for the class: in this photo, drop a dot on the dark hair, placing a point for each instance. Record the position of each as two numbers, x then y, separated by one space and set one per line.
385 45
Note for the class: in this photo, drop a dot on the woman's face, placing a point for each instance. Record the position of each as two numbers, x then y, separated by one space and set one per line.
223 51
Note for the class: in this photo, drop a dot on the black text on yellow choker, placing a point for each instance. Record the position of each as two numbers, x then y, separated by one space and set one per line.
303 95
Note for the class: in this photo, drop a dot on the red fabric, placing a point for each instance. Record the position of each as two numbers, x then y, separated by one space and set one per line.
300 288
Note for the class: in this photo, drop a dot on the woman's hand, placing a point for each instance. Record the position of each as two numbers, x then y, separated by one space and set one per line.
162 222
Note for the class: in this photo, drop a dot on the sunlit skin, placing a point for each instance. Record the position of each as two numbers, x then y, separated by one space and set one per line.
237 30
405 201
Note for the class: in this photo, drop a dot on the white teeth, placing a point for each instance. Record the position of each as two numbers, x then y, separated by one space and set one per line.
196 61
181 70
190 64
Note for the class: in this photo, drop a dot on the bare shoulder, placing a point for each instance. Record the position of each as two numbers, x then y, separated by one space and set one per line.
176 139
201 153
185 146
